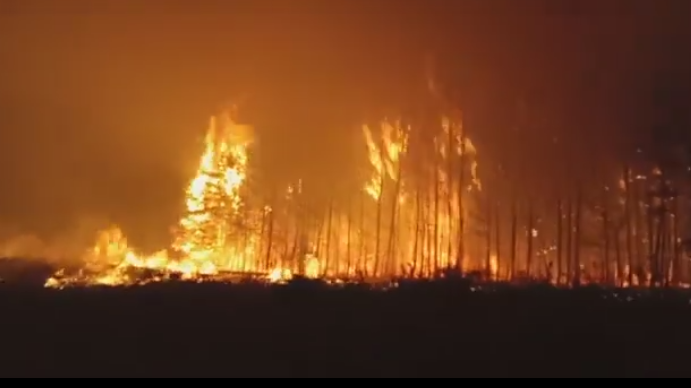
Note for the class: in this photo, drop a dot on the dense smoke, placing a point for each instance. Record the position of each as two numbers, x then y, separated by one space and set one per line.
63 250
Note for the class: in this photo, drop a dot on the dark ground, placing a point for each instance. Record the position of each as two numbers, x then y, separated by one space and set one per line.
191 330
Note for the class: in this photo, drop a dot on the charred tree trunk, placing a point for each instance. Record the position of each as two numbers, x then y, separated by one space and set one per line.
295 261
399 254
261 265
640 260
653 246
245 238
436 217
497 238
390 254
578 237
658 258
664 250
560 241
449 192
488 241
569 241
327 257
514 237
299 227
349 232
461 208
377 243
617 252
627 220
606 247
283 258
530 239
416 239
269 239
428 236
361 257
676 267
320 236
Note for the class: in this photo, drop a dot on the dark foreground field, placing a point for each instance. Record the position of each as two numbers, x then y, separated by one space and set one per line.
180 330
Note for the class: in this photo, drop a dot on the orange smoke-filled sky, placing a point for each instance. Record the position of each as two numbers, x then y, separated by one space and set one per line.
103 103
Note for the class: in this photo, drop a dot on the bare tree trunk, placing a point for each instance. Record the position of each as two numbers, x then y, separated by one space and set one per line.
296 263
659 278
488 242
377 246
293 220
449 194
530 237
450 229
514 236
349 257
260 250
320 236
361 257
617 251
606 231
286 243
653 244
436 217
245 239
569 241
578 236
627 221
497 238
461 208
640 248
337 266
392 226
560 241
416 240
428 236
399 254
270 239
295 259
676 267
664 251
327 257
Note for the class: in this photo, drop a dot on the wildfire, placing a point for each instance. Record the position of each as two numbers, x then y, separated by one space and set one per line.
213 199
206 238
421 211
220 234
439 190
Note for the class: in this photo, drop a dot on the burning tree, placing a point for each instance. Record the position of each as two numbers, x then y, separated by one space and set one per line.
422 196
213 196
421 211
213 204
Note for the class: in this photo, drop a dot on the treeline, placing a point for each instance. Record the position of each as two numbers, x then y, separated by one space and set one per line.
428 201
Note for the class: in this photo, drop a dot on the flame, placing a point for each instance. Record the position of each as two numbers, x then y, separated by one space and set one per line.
451 151
205 236
213 197
218 233
406 220
384 155
278 275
